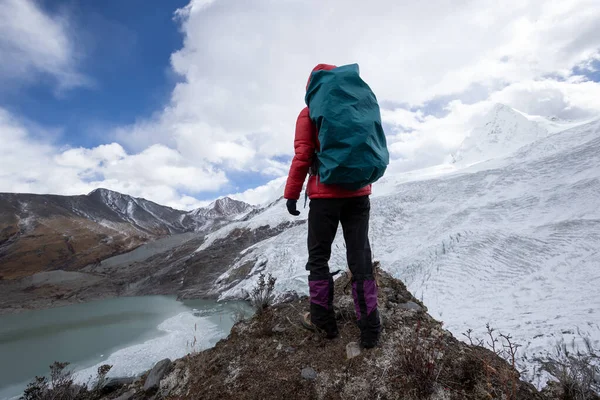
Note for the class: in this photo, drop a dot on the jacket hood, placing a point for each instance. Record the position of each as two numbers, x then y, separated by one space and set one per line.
320 67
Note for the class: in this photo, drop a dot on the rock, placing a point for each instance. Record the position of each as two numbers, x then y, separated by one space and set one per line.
352 350
289 349
126 395
288 297
411 305
113 384
309 374
158 372
175 382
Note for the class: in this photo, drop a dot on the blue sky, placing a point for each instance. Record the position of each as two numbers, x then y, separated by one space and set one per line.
184 101
125 48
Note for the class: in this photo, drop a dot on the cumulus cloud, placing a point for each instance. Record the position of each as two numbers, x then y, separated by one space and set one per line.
33 43
574 98
158 173
264 194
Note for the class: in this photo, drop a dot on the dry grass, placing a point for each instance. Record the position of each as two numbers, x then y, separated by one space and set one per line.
576 370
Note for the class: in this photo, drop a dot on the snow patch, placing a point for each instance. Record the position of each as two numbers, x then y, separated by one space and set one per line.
176 342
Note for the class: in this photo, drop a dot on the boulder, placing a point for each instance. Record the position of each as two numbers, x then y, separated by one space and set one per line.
113 384
156 374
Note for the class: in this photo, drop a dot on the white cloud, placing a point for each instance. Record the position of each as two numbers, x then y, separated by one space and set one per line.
33 42
570 99
244 66
244 79
158 173
264 194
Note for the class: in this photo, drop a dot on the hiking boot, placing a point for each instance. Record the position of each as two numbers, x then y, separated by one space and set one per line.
369 341
364 293
330 328
370 330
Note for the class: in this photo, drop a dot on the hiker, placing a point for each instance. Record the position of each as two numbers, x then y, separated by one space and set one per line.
327 130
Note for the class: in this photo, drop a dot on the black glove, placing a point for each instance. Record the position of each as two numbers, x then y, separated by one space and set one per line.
291 206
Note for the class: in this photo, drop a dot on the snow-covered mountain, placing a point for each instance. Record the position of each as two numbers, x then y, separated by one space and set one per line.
224 208
512 241
140 213
503 131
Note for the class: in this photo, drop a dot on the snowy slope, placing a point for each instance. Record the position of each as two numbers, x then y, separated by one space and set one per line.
554 124
141 213
503 131
512 241
225 207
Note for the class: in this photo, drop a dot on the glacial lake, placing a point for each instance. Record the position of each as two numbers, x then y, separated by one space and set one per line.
130 333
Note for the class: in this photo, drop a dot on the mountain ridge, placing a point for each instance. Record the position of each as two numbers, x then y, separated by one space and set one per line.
41 232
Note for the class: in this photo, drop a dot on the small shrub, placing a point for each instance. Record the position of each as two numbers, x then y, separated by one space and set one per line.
262 296
505 347
102 372
61 386
36 389
577 371
420 362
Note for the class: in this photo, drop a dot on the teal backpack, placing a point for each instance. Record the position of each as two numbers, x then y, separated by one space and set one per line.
353 150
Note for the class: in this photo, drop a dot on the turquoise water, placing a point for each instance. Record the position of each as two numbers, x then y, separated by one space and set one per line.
130 333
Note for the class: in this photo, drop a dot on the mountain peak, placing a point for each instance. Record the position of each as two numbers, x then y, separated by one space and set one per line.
224 207
100 191
107 193
503 131
503 107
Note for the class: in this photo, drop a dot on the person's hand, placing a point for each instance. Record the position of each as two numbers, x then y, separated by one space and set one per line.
291 206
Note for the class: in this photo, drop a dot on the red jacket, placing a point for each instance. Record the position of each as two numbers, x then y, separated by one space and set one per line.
306 143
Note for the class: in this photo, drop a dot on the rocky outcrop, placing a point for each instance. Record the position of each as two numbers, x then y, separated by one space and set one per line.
157 374
271 356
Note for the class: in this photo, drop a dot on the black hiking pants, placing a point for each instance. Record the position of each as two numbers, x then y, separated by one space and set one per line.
324 217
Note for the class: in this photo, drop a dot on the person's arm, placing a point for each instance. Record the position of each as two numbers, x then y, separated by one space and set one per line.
304 149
